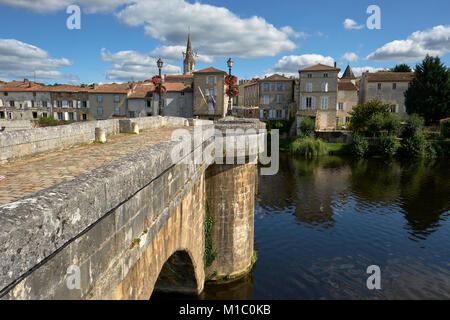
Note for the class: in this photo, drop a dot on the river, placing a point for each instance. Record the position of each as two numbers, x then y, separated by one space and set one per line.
319 224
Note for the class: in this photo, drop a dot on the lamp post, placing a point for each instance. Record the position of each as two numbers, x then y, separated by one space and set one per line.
160 64
230 110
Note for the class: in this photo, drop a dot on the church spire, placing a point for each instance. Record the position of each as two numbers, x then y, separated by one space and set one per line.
189 61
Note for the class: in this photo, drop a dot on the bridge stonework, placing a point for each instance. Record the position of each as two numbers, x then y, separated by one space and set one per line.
131 227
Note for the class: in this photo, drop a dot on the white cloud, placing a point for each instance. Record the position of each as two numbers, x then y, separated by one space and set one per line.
359 70
289 31
289 65
350 24
22 60
89 6
215 31
435 41
132 65
350 56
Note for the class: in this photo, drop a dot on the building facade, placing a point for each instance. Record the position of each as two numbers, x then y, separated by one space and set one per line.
210 87
318 87
276 97
388 87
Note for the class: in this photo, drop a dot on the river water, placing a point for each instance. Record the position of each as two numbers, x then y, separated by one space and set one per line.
319 224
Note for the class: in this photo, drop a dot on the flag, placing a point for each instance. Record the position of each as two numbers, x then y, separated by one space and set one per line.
213 101
201 92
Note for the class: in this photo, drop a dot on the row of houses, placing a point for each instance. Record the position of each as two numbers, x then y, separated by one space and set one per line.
320 93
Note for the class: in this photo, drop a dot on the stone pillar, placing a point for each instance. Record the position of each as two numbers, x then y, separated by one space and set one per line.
231 203
100 135
134 128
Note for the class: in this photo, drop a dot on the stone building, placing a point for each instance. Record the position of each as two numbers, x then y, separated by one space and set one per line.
250 93
210 82
24 100
109 101
389 87
140 100
276 97
347 99
318 95
69 102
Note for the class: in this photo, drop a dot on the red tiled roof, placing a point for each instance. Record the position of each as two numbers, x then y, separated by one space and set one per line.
142 91
387 76
276 77
347 86
177 76
320 67
112 88
210 70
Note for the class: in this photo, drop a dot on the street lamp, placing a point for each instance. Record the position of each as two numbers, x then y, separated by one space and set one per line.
160 64
230 65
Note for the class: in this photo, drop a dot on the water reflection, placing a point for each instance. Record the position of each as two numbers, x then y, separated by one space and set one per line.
320 223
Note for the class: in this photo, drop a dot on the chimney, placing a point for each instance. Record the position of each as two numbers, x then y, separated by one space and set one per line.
335 64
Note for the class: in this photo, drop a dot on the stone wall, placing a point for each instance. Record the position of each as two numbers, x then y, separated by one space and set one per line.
19 144
14 125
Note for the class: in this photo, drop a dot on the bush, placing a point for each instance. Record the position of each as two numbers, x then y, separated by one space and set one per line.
445 128
375 124
307 127
392 124
442 148
309 147
414 125
362 113
414 146
386 146
47 122
359 146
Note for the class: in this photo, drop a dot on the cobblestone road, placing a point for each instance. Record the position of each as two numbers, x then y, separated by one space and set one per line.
24 177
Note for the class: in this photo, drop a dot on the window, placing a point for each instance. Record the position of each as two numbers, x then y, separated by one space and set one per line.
71 116
84 104
70 104
44 104
6 93
60 116
116 98
393 109
324 103
116 111
10 115
99 98
279 114
100 111
309 87
2 114
266 87
131 114
394 86
59 104
45 115
309 75
64 104
280 86
379 86
32 104
266 99
35 115
84 117
340 106
211 80
325 87
347 119
325 75
11 103
279 98
308 102
149 104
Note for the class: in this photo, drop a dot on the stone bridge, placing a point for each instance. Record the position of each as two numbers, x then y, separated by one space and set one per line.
84 220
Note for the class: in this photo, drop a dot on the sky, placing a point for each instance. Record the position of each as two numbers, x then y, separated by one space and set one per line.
121 40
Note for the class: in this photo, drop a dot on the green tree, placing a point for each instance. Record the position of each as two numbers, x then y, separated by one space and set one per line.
429 92
362 114
307 127
401 68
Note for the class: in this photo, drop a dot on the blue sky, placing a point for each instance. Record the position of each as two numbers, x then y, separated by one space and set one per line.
120 40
